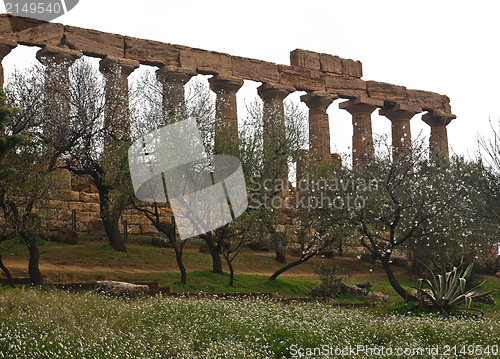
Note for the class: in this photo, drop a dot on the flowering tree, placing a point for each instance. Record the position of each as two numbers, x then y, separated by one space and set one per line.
395 203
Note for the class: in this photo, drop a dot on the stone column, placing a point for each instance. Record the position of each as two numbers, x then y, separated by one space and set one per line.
6 47
438 142
57 107
57 61
319 128
274 130
226 131
173 79
117 114
400 116
361 109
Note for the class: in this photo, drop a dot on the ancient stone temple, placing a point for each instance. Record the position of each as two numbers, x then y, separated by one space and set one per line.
323 77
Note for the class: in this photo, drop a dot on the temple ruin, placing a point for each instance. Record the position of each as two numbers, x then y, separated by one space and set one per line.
323 77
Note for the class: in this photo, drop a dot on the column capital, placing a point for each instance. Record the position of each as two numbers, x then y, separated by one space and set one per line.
318 99
57 55
126 66
361 104
225 84
399 111
6 46
269 91
174 74
437 118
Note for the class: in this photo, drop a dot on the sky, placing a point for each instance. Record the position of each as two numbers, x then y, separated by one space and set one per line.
449 47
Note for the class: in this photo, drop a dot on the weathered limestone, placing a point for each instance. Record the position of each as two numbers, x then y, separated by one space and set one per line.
400 116
226 136
389 93
326 63
301 78
345 86
274 128
57 61
438 142
117 115
152 53
319 129
173 80
94 43
6 46
256 70
361 109
429 100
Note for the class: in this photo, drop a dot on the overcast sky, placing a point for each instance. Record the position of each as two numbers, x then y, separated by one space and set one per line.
449 47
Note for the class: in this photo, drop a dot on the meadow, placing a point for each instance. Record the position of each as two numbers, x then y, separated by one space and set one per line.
37 323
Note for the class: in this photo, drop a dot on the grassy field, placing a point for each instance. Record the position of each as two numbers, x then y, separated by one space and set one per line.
39 324
94 259
43 323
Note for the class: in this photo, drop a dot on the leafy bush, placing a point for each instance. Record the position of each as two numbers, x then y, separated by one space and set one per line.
447 290
331 282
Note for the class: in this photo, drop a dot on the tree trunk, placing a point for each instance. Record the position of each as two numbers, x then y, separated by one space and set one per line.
180 263
280 247
290 265
394 282
214 252
113 232
7 273
33 265
341 250
231 272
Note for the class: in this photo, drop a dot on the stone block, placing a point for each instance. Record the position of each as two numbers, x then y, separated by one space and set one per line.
94 43
161 240
330 63
152 53
31 32
134 229
54 225
89 197
64 216
206 62
84 207
387 92
352 68
255 70
301 78
67 236
345 86
147 228
305 58
66 195
122 289
95 227
134 219
429 100
58 205
77 206
376 297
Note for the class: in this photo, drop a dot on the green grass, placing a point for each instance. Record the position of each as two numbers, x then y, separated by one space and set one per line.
37 324
207 281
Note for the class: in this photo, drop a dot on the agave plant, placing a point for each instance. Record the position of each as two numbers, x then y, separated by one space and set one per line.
447 290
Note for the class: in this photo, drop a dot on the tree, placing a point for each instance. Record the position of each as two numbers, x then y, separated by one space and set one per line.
31 180
7 144
271 143
392 203
71 111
